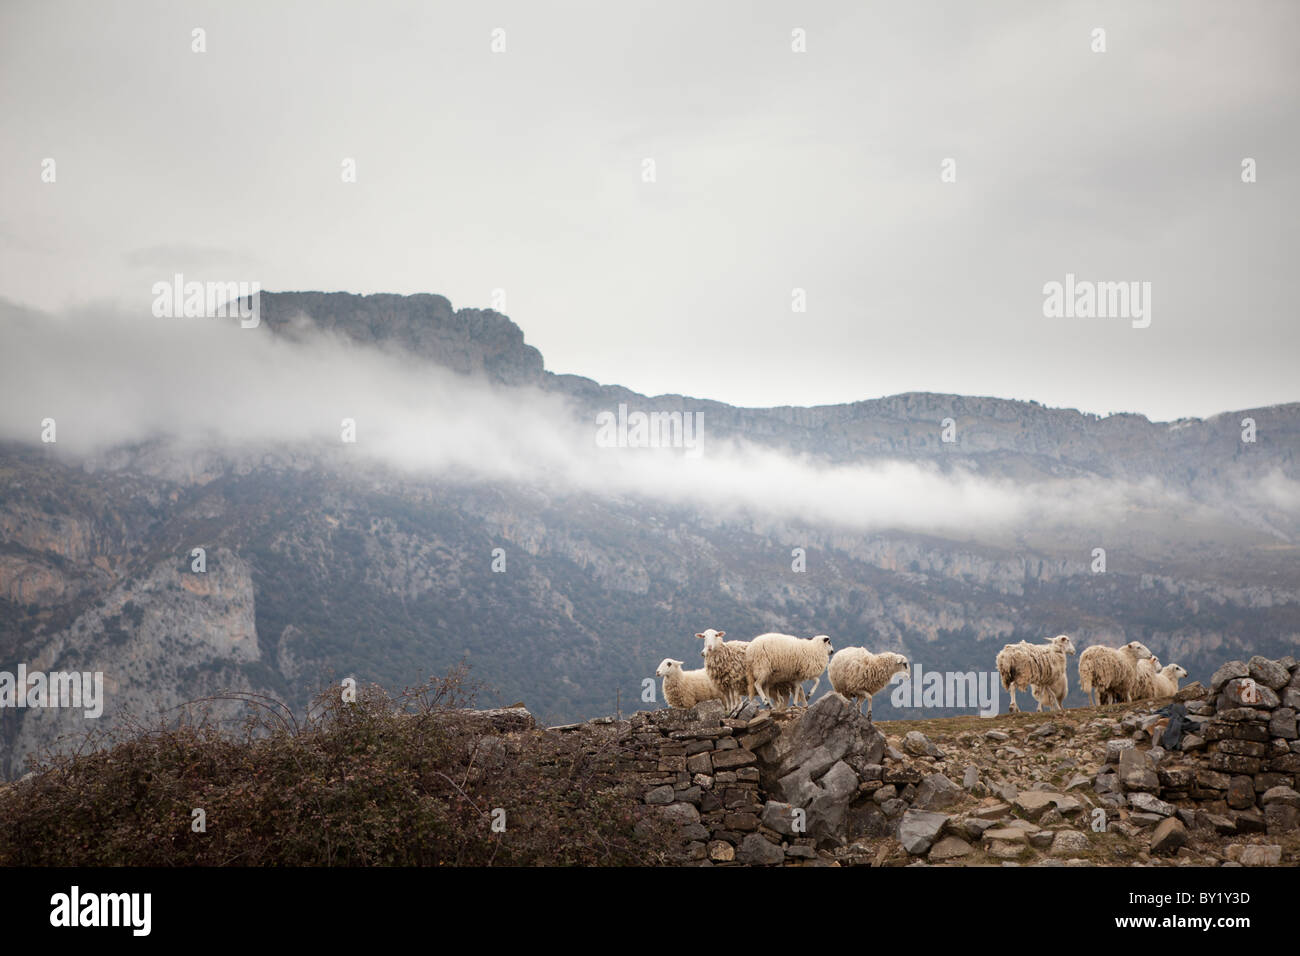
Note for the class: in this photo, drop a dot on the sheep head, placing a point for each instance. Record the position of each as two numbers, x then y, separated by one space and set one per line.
825 640
711 639
667 666
1063 644
1138 651
897 663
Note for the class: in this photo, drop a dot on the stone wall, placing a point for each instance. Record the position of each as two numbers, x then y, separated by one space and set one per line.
699 769
1235 770
823 786
786 788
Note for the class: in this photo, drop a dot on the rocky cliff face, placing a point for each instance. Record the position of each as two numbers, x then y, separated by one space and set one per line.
159 639
469 341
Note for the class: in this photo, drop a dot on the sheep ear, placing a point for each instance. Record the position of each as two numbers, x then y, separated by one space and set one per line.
722 633
700 636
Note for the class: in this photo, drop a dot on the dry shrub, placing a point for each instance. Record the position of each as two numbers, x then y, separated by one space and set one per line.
387 780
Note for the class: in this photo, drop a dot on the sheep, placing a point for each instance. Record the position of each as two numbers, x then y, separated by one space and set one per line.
1166 680
730 671
1111 671
1058 690
1040 668
1144 678
775 659
725 663
856 673
685 689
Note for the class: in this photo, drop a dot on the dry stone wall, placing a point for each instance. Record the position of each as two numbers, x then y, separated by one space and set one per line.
823 786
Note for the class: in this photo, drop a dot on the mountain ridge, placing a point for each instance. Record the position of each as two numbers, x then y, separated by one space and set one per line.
351 570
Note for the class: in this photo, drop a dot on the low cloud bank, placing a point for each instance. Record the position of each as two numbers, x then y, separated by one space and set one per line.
109 380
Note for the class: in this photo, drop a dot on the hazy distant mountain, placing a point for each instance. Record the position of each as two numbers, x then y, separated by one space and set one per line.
320 566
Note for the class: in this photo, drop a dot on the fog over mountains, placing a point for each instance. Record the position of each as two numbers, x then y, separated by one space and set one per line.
329 558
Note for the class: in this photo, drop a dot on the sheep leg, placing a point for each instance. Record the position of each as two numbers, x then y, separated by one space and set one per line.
1014 708
868 707
813 691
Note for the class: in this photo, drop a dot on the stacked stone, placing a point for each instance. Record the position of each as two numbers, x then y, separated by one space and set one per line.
769 789
701 773
1253 747
1240 760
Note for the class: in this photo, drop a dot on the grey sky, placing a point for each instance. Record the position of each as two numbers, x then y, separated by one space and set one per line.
522 170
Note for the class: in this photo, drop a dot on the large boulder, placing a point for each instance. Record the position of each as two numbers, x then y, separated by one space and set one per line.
1147 803
1246 692
1257 855
1168 837
1226 672
919 745
936 792
949 848
919 829
1069 843
828 732
1035 803
784 818
1269 673
1137 772
757 850
828 809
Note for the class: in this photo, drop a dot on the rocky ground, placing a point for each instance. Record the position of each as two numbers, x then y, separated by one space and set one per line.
1025 788
1083 787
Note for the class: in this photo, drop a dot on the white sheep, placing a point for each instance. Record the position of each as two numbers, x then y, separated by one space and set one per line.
775 659
1166 680
856 673
1056 691
1038 668
685 689
726 664
1144 678
1111 671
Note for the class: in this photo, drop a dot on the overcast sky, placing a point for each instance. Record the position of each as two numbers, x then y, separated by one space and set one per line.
523 170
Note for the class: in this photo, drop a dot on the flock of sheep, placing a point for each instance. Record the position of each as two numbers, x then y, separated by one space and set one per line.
1108 674
775 666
